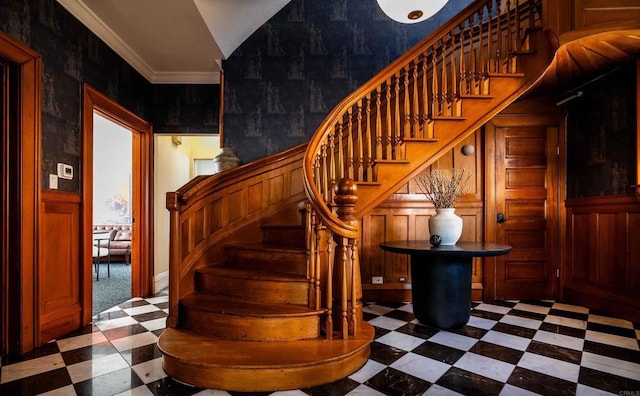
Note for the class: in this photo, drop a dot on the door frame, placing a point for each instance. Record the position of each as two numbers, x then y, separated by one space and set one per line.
142 205
19 296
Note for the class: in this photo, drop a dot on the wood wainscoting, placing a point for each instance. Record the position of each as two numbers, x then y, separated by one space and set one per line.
602 255
59 298
405 215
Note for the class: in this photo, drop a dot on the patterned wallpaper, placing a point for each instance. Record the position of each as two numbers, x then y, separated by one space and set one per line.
71 55
281 83
601 136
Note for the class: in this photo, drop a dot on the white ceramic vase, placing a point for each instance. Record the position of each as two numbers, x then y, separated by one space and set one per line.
447 224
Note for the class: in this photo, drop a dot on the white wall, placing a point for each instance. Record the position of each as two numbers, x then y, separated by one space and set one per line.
173 167
112 166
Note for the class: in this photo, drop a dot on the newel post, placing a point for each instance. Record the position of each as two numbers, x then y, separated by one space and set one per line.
347 283
173 204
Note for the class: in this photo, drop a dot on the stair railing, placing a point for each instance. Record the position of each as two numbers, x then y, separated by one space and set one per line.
402 103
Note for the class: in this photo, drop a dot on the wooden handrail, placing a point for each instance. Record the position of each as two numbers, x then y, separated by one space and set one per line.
404 100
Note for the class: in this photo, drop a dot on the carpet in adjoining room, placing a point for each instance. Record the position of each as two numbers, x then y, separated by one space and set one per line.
111 290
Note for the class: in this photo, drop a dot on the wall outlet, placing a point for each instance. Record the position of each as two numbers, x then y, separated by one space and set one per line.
376 280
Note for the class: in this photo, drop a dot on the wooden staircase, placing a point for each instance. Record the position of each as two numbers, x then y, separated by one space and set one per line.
264 276
249 324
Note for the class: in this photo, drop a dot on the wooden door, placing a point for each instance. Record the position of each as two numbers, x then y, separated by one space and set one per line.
522 206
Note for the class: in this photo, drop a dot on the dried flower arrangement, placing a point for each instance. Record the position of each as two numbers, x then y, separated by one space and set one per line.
442 188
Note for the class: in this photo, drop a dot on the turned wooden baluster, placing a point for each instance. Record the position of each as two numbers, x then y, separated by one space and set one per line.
435 96
360 142
379 149
406 133
329 301
427 126
388 136
397 138
463 88
332 166
351 161
339 139
415 103
368 163
317 263
346 199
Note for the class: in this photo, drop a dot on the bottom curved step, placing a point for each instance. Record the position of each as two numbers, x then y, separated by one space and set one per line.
258 366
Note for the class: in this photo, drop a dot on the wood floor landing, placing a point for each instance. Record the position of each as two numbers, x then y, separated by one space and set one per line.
250 366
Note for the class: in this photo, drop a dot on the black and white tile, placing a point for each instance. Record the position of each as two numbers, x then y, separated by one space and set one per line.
507 348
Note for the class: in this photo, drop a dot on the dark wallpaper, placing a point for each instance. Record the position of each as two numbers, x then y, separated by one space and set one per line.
72 55
282 82
601 136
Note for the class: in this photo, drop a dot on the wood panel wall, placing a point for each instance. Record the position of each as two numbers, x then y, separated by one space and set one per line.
405 215
59 300
562 16
603 255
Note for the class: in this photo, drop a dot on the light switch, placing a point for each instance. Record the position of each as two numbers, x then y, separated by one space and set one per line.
53 182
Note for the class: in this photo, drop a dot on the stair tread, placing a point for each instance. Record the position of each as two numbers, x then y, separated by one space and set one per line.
209 351
242 273
230 306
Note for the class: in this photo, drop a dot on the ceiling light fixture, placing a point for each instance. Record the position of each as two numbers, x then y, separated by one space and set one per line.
410 11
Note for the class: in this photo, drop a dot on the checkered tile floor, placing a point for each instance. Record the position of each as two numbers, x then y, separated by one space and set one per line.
507 348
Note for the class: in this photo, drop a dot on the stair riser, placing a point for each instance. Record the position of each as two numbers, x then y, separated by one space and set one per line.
293 237
245 328
286 262
255 379
258 290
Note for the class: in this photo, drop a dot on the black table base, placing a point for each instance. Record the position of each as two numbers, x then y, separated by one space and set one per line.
441 290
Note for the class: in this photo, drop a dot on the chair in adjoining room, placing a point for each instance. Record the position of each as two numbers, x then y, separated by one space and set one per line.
101 251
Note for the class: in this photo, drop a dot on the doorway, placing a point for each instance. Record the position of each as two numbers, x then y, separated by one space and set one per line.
112 197
141 198
20 109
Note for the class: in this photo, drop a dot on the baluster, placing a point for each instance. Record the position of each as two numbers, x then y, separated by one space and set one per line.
379 151
344 328
415 101
454 95
435 111
474 75
427 130
309 253
316 173
498 60
323 172
407 105
509 43
445 104
486 68
360 144
388 135
355 285
329 301
518 45
396 132
490 49
318 291
341 163
463 88
368 171
332 167
351 161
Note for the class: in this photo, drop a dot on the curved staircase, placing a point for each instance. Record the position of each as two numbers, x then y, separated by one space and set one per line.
264 276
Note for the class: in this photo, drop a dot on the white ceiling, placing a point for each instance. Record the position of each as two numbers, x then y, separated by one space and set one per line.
174 41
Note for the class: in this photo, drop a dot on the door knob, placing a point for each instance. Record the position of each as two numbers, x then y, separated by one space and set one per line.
500 218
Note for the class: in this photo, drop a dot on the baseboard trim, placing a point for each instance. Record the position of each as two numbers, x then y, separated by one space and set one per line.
160 281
